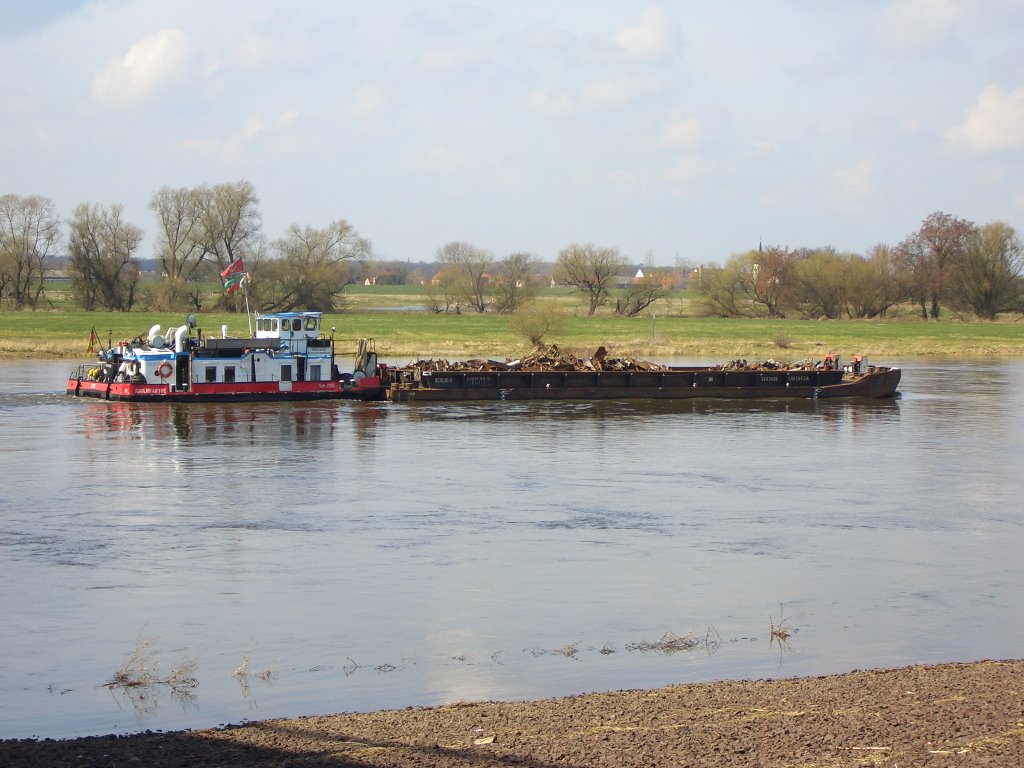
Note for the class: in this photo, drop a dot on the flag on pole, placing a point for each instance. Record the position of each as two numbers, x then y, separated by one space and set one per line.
233 275
93 341
234 282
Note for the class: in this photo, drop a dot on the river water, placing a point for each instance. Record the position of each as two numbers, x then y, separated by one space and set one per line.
315 558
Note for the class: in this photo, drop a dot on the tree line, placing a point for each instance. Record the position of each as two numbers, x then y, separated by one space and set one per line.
947 263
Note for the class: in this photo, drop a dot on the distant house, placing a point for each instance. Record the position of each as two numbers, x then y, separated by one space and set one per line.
624 281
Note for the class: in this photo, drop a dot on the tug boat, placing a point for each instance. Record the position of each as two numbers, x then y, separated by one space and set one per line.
287 358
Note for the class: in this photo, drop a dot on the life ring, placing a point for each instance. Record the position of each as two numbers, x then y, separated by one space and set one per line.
164 370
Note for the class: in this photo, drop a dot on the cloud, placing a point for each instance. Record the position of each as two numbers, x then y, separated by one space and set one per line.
607 93
686 169
367 102
443 59
150 63
444 159
855 181
917 24
682 132
542 101
993 123
252 129
650 36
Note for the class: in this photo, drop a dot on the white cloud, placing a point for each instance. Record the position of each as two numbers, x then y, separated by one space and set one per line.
855 181
544 102
150 63
916 24
650 36
607 93
442 59
686 169
993 123
444 159
367 102
682 132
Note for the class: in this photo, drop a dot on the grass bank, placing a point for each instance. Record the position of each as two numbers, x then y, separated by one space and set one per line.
401 335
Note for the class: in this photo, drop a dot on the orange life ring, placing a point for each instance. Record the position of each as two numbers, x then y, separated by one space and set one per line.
164 370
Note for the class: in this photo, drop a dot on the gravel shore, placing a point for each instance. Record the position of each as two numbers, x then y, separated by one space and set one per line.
944 715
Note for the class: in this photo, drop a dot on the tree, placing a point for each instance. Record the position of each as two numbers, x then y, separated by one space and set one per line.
313 267
29 235
534 320
591 270
721 288
931 254
182 246
641 292
101 247
769 281
469 265
231 226
441 292
988 272
516 281
876 283
820 278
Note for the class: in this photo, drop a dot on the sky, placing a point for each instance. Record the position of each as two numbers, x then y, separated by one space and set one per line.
681 130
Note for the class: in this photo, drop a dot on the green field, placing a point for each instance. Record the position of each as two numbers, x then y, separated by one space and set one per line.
402 335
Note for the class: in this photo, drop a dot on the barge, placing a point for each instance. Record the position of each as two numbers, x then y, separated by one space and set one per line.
287 358
601 379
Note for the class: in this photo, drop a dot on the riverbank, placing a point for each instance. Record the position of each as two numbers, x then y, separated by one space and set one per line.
412 335
943 715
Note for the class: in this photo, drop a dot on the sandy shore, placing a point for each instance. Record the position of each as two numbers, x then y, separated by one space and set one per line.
944 715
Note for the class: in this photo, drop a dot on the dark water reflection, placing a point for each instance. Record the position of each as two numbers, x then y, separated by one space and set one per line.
368 555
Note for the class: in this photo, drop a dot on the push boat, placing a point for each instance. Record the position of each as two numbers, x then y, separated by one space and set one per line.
287 358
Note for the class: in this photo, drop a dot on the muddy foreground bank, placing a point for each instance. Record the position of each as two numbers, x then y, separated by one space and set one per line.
945 715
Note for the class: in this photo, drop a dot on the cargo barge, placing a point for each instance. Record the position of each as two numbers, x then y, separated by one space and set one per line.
596 380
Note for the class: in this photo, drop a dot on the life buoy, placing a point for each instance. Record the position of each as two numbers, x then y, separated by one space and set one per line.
164 370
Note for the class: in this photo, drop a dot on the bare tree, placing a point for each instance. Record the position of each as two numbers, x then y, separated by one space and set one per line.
931 254
516 281
182 246
441 292
642 292
591 270
232 227
769 280
988 272
876 283
29 235
101 247
470 264
313 267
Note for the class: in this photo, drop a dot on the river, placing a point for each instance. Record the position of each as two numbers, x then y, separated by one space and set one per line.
313 558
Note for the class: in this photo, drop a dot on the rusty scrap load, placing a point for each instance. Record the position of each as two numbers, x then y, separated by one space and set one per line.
553 359
550 359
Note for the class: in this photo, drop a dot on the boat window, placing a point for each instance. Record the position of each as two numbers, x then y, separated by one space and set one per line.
314 373
211 374
296 324
273 324
286 373
310 323
229 373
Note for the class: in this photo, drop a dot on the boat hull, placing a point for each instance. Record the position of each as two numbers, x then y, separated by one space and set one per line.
221 393
673 384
